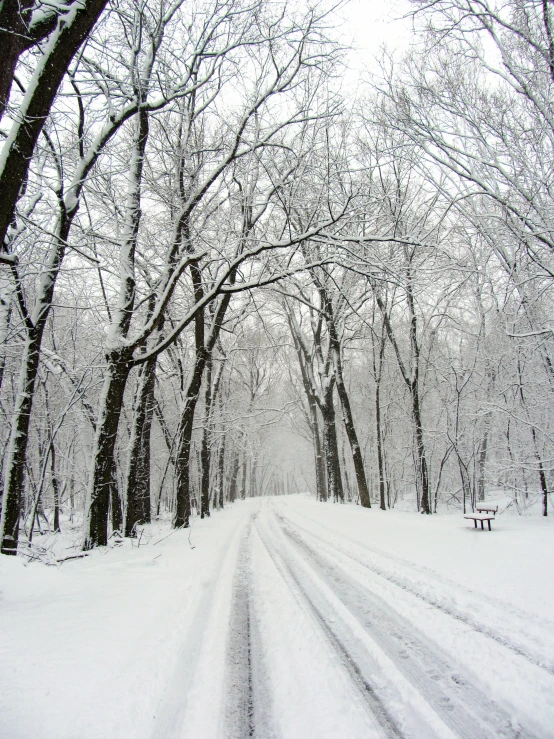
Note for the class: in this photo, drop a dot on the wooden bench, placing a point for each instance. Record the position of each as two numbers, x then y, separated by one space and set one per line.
486 508
481 517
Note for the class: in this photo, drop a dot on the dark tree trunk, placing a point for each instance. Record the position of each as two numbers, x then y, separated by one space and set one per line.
220 494
377 374
103 473
313 418
542 475
233 482
11 50
319 461
16 458
205 455
243 478
55 487
138 509
334 478
416 403
335 350
15 463
37 107
116 509
181 517
253 482
420 451
380 461
412 382
182 467
320 478
5 316
119 360
17 36
361 480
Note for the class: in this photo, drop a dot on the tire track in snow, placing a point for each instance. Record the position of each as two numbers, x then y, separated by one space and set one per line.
239 709
456 614
460 705
429 576
363 686
170 718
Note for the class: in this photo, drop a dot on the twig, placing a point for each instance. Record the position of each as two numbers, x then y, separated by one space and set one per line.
167 537
73 556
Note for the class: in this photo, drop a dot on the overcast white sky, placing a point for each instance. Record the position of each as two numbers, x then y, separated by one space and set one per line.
368 24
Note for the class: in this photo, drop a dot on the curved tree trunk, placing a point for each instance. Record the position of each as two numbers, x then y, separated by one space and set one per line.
70 33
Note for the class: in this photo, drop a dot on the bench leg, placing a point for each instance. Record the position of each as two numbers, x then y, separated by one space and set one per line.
482 527
489 524
475 522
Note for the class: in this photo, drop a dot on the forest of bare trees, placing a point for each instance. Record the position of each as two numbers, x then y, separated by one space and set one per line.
223 275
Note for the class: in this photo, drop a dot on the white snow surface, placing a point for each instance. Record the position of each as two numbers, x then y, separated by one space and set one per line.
284 617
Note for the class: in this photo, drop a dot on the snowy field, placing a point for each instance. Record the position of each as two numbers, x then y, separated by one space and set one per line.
287 618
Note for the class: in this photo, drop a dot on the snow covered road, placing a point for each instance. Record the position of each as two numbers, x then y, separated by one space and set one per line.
364 661
294 620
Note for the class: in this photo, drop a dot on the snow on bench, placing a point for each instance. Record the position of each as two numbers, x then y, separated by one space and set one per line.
486 508
480 517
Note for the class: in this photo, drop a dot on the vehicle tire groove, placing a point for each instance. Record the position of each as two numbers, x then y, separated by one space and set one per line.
460 704
458 616
239 710
366 690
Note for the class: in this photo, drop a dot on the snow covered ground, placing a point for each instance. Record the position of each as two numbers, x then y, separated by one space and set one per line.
287 618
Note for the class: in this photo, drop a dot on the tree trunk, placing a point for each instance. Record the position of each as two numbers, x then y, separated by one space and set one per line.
411 378
55 487
420 452
116 509
334 479
483 447
542 475
36 105
466 487
233 482
15 461
380 461
320 479
138 509
243 478
361 480
119 360
182 503
205 454
220 493
103 472
313 418
5 315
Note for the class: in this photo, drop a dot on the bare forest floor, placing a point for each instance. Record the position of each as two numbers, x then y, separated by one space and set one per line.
282 617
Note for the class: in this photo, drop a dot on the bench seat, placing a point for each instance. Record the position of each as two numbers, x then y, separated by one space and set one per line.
482 517
486 508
